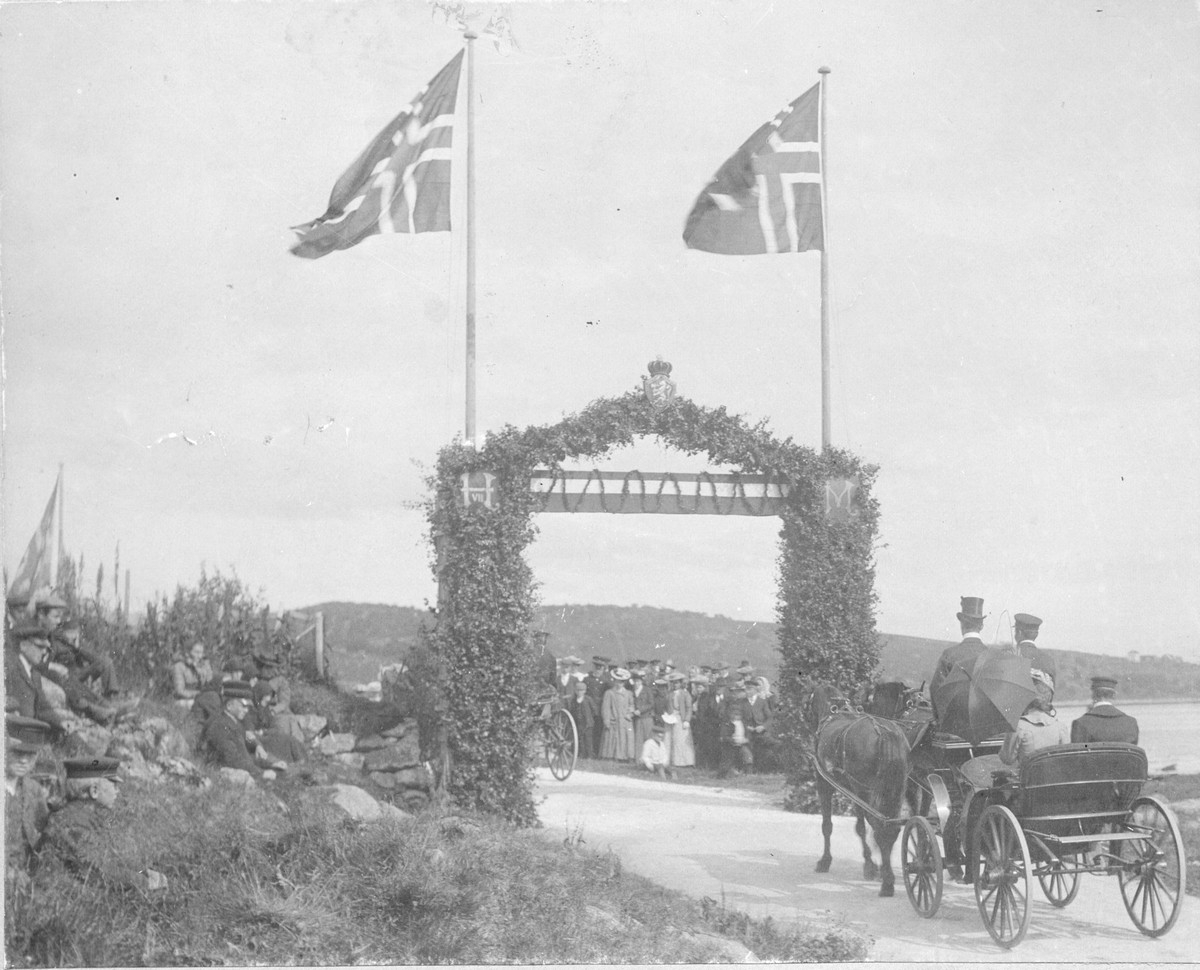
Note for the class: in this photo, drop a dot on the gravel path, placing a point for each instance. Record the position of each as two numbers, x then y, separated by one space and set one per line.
742 847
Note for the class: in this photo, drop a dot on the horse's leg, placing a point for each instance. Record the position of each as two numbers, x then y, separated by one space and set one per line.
885 837
825 794
870 870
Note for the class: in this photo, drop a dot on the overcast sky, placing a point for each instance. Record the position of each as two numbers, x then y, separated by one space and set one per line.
1014 210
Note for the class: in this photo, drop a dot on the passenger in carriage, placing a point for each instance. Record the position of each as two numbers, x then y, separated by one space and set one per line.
1039 726
963 654
1025 631
1103 720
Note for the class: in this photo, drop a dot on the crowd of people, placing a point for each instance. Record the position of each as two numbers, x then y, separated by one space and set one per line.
241 719
644 712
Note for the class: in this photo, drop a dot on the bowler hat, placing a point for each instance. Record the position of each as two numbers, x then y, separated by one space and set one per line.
1027 620
82 768
972 608
1104 683
239 689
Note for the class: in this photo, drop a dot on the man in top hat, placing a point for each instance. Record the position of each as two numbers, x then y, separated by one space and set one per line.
226 737
1103 720
24 653
963 654
26 801
1025 631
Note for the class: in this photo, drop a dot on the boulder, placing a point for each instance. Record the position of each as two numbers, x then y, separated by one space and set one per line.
387 810
384 779
336 743
731 951
238 776
372 742
402 753
355 802
404 728
90 739
310 724
351 759
417 777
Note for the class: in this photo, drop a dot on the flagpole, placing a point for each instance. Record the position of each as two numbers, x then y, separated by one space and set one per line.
826 421
56 554
470 36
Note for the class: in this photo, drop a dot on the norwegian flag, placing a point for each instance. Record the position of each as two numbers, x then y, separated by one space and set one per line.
34 575
766 198
401 181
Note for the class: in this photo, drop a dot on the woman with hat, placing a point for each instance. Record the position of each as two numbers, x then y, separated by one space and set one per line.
680 709
643 708
616 713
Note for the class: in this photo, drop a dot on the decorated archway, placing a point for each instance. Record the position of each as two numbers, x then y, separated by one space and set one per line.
481 511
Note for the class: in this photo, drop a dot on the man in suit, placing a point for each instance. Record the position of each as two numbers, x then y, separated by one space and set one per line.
1025 631
226 737
962 654
1104 721
24 650
585 711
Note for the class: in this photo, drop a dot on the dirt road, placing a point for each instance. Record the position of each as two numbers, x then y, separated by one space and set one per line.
740 846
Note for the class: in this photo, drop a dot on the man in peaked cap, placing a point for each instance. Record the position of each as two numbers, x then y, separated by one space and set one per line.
225 736
1025 631
76 833
26 802
962 654
24 653
1103 720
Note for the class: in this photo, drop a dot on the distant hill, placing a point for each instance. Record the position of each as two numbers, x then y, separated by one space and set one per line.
364 636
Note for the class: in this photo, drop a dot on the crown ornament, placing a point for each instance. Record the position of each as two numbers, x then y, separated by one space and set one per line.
658 387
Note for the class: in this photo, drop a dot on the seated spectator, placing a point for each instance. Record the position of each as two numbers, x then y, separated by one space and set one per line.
655 756
26 802
191 675
24 652
227 739
261 719
83 664
1039 727
74 832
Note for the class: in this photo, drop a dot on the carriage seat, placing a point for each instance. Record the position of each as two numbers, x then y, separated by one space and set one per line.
1075 789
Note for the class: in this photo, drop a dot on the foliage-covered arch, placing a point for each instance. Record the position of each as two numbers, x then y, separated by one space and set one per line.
486 598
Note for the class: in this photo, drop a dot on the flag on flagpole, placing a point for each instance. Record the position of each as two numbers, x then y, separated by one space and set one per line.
33 576
766 198
400 182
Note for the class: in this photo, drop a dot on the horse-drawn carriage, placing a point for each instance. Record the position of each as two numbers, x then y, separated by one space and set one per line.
1069 810
1066 811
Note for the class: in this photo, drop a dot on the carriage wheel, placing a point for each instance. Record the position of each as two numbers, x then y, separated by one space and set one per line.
562 744
1059 885
1003 875
921 863
1152 872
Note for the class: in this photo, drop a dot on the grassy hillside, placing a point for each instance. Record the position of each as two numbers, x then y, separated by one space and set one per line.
365 636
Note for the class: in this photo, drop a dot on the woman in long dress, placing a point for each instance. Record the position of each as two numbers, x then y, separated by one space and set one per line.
616 713
683 752
643 711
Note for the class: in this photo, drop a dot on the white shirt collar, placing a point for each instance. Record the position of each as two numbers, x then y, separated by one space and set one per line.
974 633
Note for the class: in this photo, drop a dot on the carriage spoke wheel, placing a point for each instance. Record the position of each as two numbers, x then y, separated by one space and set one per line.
562 744
1003 875
921 862
1059 885
1152 871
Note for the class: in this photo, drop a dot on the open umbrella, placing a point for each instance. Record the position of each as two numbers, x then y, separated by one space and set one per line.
986 697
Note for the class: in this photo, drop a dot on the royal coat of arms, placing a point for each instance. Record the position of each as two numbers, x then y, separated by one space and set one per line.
659 387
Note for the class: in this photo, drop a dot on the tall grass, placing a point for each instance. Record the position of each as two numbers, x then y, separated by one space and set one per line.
259 876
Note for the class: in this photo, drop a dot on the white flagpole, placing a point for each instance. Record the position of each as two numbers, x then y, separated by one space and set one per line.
470 297
826 420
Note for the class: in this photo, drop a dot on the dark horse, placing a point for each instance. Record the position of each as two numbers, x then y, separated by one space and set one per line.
865 757
907 705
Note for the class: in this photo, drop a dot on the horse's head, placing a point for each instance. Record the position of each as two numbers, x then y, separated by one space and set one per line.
886 700
818 700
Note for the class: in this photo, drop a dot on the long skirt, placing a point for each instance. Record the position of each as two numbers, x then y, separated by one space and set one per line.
683 754
617 741
643 727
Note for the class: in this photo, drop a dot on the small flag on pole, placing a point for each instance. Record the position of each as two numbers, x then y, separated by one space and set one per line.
766 198
34 578
401 181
